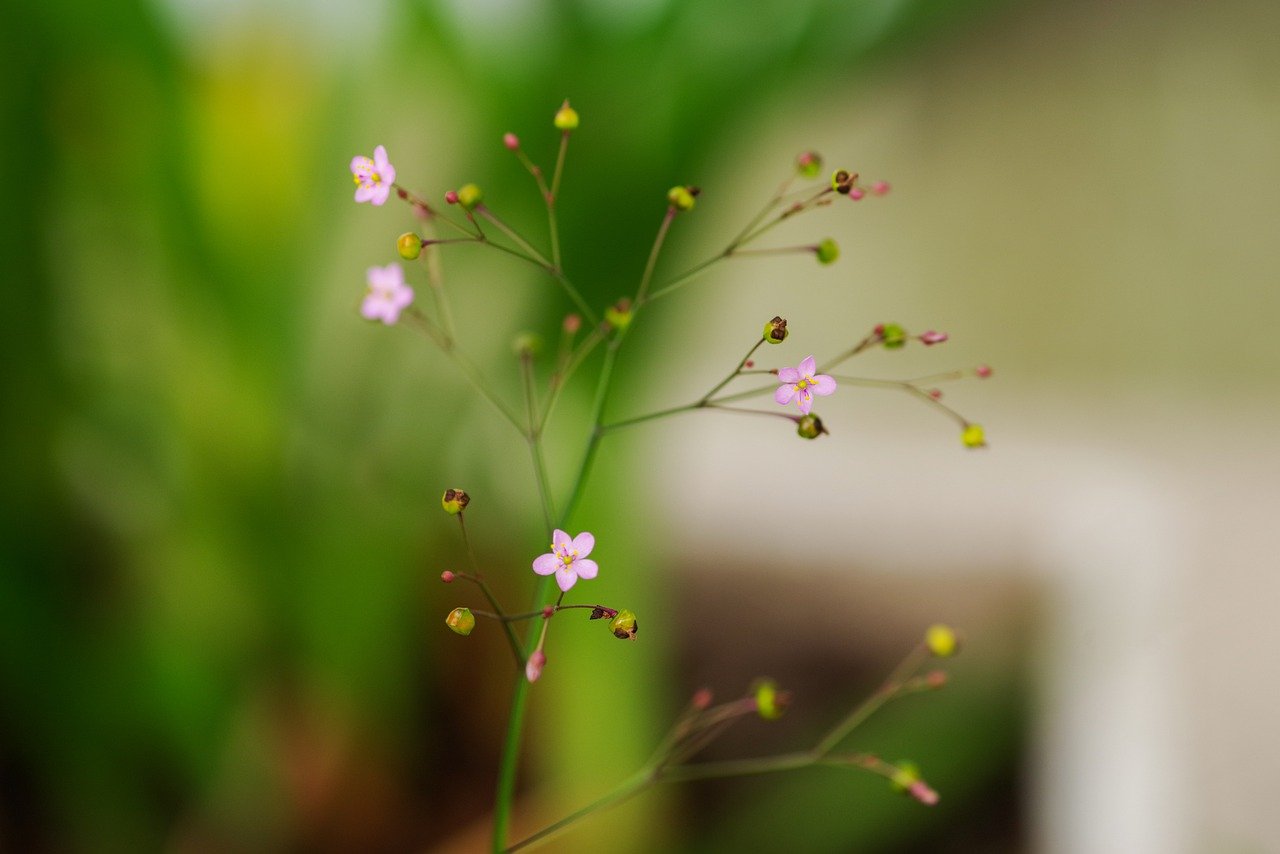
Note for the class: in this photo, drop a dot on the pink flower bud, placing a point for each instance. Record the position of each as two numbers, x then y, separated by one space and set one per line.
451 197
533 669
548 612
880 187
922 793
447 577
935 393
983 371
572 323
931 337
511 141
702 699
750 363
856 193
935 678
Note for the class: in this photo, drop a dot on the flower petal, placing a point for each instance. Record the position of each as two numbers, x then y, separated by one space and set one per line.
546 564
788 375
365 192
583 544
380 158
371 308
559 539
361 165
586 568
806 401
823 384
566 577
784 393
807 366
380 194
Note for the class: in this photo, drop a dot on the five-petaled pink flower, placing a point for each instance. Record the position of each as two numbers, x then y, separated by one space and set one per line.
801 384
373 177
388 294
567 559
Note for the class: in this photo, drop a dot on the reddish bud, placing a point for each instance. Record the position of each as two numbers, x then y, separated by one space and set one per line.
856 193
983 371
931 337
447 577
750 363
572 323
702 699
451 197
880 187
533 669
548 611
511 141
935 393
935 678
921 792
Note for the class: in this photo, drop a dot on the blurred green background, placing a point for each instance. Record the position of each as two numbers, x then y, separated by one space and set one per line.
220 624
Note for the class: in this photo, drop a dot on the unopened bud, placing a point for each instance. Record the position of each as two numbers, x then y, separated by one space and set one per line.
880 187
548 612
566 117
906 774
931 337
983 371
600 612
701 699
447 577
511 141
454 501
941 640
526 345
842 181
618 315
856 193
409 245
973 436
935 393
828 251
461 621
809 164
469 195
892 335
682 198
921 792
533 667
770 702
935 679
809 426
572 323
451 197
624 625
775 331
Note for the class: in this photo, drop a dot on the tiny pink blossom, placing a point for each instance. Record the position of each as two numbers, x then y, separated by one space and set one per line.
856 193
983 371
511 141
373 177
801 384
388 295
451 197
922 793
931 337
533 668
567 559
880 187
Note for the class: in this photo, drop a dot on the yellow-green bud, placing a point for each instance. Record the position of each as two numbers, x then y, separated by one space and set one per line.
526 345
409 245
775 331
770 702
454 501
469 195
682 197
828 251
893 336
810 426
461 621
941 640
566 117
618 315
809 164
973 436
906 776
624 626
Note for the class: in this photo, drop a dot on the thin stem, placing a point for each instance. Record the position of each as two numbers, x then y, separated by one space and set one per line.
653 416
450 349
534 440
653 255
777 250
561 378
910 388
737 767
541 612
430 212
872 704
724 382
510 232
687 276
629 788
488 594
555 177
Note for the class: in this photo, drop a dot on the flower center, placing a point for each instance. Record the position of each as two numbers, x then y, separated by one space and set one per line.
803 384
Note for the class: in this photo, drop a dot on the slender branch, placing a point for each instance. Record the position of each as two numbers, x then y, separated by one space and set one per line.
469 370
534 440
510 232
724 382
488 594
628 789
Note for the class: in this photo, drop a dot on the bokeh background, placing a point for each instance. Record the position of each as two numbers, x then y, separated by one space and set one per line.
220 619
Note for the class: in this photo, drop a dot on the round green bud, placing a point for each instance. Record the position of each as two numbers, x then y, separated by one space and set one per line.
681 198
624 626
810 426
775 331
893 336
973 436
941 640
619 314
566 118
809 164
770 702
906 775
828 251
469 195
526 345
461 621
454 501
409 245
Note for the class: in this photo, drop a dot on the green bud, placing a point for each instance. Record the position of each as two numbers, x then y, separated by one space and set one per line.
892 335
624 626
809 164
973 436
461 621
683 198
810 426
775 331
454 501
770 702
566 117
618 315
526 345
409 245
941 640
828 251
469 195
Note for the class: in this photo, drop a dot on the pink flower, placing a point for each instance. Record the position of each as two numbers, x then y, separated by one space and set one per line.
931 337
800 384
567 559
388 294
373 177
533 667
